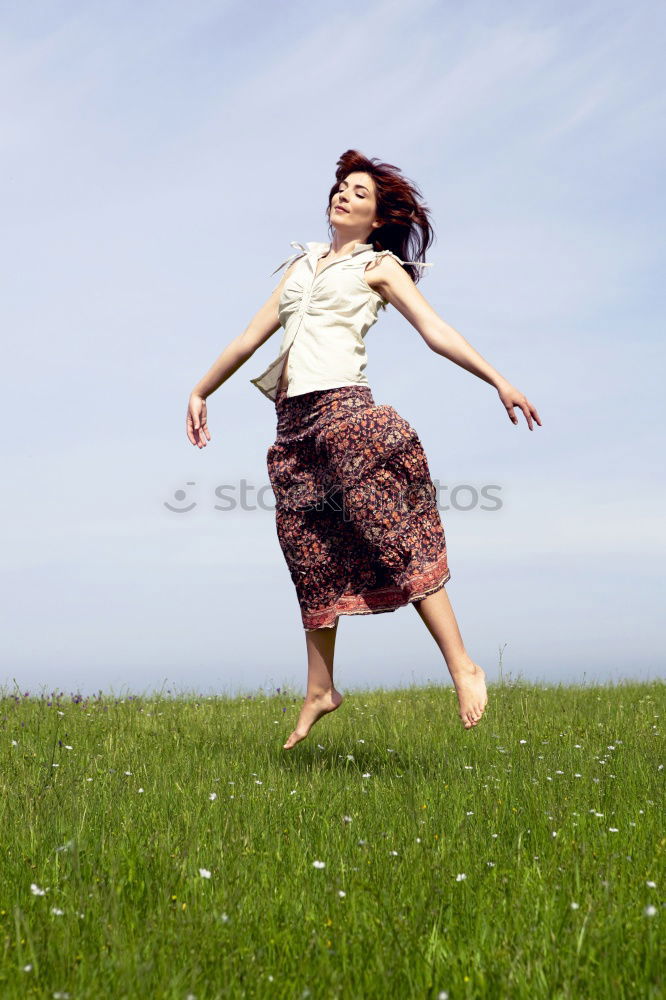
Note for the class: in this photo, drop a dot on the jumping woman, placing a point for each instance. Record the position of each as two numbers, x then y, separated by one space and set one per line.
356 512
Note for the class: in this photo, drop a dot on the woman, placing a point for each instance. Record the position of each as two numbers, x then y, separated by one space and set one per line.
382 545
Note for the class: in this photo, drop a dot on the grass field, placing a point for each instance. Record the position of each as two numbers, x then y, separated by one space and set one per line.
168 847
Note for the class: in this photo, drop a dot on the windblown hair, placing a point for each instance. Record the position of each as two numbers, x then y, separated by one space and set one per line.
405 226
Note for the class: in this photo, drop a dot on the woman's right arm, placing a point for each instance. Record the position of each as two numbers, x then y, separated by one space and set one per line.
261 327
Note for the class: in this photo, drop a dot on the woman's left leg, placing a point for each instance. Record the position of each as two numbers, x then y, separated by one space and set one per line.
321 696
468 677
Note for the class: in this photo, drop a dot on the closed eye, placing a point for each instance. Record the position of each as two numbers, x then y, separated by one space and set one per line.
361 196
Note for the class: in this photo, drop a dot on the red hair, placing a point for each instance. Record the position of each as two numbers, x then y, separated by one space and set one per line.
405 227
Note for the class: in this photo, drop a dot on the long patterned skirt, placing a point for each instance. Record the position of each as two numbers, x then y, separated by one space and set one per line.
356 509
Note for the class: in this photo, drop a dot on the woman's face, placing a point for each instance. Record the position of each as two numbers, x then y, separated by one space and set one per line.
353 207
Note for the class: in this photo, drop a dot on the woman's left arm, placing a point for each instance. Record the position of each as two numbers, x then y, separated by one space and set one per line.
397 287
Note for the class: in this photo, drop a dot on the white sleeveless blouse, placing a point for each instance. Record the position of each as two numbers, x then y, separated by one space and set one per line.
325 318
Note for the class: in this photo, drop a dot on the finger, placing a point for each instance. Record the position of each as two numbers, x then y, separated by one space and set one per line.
197 431
512 416
528 416
533 411
188 429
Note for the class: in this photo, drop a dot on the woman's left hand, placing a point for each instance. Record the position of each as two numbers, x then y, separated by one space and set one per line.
511 397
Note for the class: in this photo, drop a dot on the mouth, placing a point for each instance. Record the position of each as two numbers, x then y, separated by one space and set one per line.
339 208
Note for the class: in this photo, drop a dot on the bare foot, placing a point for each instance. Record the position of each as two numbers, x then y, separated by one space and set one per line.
313 708
470 685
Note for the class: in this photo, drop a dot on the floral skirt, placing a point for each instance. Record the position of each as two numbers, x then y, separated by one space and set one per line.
355 506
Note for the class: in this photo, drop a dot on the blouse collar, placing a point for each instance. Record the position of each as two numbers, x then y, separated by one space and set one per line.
320 248
315 250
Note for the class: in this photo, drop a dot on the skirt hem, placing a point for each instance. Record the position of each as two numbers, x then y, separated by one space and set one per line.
380 601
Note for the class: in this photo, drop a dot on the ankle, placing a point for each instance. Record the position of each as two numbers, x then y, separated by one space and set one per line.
316 694
462 666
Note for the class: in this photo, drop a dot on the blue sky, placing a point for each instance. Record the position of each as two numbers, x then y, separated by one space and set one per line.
157 161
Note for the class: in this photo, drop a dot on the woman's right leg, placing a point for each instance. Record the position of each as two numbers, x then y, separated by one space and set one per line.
321 696
320 643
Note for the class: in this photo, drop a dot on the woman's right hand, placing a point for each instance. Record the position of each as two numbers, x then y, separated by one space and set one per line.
197 426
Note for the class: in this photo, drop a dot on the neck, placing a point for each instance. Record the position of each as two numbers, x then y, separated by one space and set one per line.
340 245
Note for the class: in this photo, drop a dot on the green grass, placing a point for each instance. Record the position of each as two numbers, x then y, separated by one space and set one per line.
390 793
